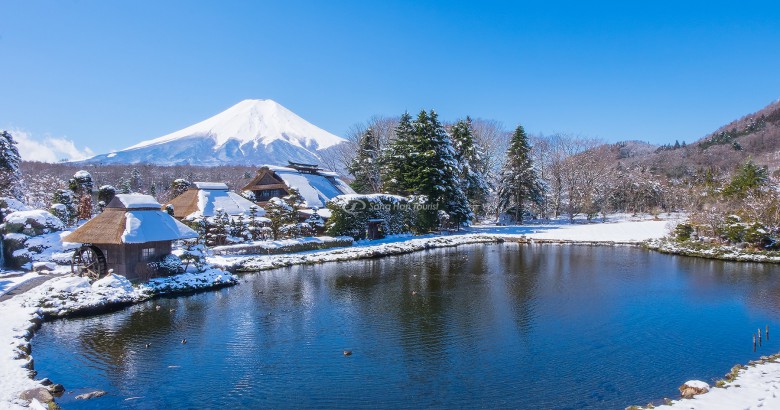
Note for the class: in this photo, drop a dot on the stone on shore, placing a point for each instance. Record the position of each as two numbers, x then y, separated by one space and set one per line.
693 387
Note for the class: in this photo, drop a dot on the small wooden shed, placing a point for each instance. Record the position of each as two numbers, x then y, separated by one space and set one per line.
130 233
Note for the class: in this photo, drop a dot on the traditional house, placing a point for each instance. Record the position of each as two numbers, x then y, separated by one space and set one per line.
204 198
127 236
315 185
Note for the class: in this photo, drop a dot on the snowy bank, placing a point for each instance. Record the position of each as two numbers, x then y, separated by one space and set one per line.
607 232
713 251
73 295
284 246
262 262
752 386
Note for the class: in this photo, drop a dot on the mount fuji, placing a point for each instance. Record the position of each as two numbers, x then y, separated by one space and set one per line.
252 132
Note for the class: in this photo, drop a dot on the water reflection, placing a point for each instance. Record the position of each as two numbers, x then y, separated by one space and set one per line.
461 327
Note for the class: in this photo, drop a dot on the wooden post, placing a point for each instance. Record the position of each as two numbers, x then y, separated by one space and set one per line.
767 332
759 336
754 342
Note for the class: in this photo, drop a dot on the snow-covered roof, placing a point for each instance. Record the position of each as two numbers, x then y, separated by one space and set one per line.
143 226
119 226
206 197
316 189
230 202
211 185
134 201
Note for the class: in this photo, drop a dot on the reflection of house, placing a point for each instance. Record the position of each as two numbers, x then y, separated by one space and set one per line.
204 198
316 186
131 232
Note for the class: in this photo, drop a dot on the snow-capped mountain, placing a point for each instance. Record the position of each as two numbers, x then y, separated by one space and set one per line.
252 132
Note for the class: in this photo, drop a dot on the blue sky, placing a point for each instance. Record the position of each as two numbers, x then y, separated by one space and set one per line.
106 75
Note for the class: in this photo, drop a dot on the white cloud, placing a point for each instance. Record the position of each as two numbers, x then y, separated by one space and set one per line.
51 149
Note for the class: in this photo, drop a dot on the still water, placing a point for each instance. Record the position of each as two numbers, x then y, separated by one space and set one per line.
475 326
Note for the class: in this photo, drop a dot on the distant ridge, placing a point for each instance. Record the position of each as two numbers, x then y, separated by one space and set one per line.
252 132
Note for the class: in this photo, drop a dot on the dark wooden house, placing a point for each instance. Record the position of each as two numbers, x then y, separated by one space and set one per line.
315 185
130 233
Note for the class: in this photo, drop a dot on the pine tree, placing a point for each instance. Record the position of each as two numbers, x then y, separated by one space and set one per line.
365 166
518 182
124 186
435 172
106 193
64 207
179 185
10 176
81 185
135 180
281 215
395 160
254 223
470 156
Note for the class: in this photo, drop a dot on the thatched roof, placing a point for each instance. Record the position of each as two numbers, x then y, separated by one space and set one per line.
131 219
315 186
206 197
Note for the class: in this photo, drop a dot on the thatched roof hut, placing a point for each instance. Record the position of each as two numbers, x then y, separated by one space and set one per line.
315 185
204 198
129 233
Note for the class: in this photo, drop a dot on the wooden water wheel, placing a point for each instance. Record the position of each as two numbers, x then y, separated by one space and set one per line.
89 261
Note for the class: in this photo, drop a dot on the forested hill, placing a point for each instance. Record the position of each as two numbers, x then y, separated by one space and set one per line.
755 136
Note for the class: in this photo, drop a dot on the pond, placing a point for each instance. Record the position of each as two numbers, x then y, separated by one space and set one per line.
507 325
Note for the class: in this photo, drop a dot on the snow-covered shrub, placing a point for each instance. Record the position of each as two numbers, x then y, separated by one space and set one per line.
70 213
169 265
32 223
350 214
8 205
193 254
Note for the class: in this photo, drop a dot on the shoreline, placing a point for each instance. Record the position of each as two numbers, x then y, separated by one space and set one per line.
722 253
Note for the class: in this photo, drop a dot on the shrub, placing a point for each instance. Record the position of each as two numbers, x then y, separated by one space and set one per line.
682 232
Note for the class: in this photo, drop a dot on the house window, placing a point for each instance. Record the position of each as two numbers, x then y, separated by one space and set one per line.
147 254
267 194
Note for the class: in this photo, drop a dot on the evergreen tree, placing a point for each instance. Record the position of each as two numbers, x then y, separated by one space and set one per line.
254 223
81 185
748 178
124 186
64 206
365 166
395 164
179 185
518 182
10 176
135 180
435 172
106 193
281 215
219 228
470 156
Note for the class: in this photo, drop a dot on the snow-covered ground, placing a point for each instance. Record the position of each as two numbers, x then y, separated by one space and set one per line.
755 387
620 231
